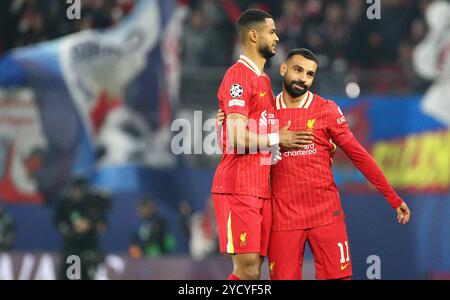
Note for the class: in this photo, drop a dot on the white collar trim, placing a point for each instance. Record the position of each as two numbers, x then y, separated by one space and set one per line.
250 64
304 103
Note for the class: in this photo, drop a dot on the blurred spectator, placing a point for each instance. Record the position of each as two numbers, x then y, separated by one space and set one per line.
335 31
357 49
206 37
96 14
204 240
290 24
151 239
404 62
81 217
195 39
418 29
7 231
397 16
185 211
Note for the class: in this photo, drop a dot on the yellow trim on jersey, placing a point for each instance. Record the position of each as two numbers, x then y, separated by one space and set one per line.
302 103
230 245
310 99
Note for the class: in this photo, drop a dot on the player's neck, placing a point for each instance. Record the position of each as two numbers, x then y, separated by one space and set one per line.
256 58
290 101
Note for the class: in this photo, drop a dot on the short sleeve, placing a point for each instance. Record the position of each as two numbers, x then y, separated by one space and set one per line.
235 93
337 124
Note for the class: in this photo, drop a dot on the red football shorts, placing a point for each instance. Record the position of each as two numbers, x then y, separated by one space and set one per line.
243 223
329 246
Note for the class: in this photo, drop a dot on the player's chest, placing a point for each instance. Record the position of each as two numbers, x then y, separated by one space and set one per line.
313 121
262 105
262 98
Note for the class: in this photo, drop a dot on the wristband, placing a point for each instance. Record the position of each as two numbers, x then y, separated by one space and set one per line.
274 139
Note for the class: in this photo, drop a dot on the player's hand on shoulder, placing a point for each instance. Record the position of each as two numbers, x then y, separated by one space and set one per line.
220 116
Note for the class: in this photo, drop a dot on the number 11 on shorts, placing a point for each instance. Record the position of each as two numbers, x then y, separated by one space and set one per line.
344 258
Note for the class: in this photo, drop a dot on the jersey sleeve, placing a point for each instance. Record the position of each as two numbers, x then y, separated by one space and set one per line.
367 165
235 93
337 126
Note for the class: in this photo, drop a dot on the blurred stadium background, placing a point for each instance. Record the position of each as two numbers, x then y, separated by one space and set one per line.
88 104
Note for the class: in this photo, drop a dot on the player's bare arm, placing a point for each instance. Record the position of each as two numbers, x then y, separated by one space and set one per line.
237 124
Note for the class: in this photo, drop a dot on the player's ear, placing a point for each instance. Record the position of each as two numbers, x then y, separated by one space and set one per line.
283 69
253 35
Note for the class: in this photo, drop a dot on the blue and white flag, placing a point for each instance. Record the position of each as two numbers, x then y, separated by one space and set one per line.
92 99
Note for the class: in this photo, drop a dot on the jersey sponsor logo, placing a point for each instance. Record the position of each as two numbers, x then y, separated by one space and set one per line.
236 102
236 90
243 239
262 94
310 150
344 266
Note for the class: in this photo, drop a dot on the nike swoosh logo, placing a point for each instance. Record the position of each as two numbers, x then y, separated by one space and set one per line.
343 267
262 94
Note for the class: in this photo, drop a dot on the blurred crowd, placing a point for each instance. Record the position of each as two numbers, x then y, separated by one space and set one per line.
337 30
25 22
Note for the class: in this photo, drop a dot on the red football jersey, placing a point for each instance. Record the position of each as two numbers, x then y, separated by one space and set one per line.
247 91
303 188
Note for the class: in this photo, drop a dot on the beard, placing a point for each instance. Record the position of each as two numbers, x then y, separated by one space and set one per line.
266 52
293 91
